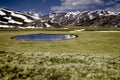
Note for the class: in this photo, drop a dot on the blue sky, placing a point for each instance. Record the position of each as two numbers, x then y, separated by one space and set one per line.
47 6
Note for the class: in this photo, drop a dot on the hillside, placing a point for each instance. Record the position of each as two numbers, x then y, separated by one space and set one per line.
89 18
9 18
16 19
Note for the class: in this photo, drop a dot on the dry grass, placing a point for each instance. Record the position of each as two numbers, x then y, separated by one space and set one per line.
56 66
91 56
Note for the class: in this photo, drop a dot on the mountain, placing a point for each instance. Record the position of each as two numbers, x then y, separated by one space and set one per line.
10 17
88 18
16 19
34 15
62 18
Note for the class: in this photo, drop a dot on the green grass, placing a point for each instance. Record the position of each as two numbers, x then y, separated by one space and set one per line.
91 56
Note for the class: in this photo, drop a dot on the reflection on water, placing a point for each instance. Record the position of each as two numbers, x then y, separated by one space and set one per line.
44 37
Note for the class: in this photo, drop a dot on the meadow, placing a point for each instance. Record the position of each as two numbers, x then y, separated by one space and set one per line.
90 56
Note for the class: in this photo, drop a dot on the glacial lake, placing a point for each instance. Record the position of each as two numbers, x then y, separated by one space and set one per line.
45 37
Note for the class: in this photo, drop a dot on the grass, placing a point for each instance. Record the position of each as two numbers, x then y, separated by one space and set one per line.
91 56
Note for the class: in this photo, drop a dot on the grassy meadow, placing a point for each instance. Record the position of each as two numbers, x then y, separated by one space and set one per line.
90 56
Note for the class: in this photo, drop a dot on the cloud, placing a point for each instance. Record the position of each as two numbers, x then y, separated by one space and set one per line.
114 9
77 4
81 4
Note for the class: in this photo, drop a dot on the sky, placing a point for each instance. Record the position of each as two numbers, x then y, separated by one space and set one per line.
48 6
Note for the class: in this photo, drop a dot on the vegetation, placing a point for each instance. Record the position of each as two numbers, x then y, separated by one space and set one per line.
91 56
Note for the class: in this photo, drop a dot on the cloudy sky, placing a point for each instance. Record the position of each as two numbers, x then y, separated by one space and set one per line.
47 6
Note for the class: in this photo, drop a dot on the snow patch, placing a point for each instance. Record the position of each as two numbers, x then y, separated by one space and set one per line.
30 27
5 26
51 15
78 30
72 13
99 13
112 13
91 16
53 20
12 21
3 22
47 25
2 13
103 13
21 16
36 16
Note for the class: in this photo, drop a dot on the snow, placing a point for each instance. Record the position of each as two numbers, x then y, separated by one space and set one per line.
7 18
5 26
10 20
36 16
106 14
30 27
91 16
53 20
3 22
2 13
72 13
112 13
21 16
99 13
61 19
43 20
17 14
47 25
13 21
78 30
51 15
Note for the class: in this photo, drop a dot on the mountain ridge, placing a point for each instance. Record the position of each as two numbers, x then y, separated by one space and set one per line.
11 18
88 18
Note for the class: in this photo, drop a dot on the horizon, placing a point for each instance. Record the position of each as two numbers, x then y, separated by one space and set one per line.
50 6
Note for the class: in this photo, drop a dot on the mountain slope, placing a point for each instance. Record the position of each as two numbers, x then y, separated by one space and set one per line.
10 18
14 18
89 18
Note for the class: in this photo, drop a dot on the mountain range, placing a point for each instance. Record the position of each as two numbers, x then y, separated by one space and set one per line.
17 19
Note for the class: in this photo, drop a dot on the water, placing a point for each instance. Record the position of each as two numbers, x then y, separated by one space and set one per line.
45 37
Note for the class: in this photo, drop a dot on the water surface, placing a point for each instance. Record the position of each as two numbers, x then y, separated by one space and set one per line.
45 37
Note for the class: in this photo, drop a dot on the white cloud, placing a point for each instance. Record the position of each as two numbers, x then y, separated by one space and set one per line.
82 4
114 9
77 4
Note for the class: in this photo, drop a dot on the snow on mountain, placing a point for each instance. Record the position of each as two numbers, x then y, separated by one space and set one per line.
34 15
4 26
91 16
2 13
73 14
106 13
62 18
87 18
47 25
21 16
16 18
52 17
10 18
